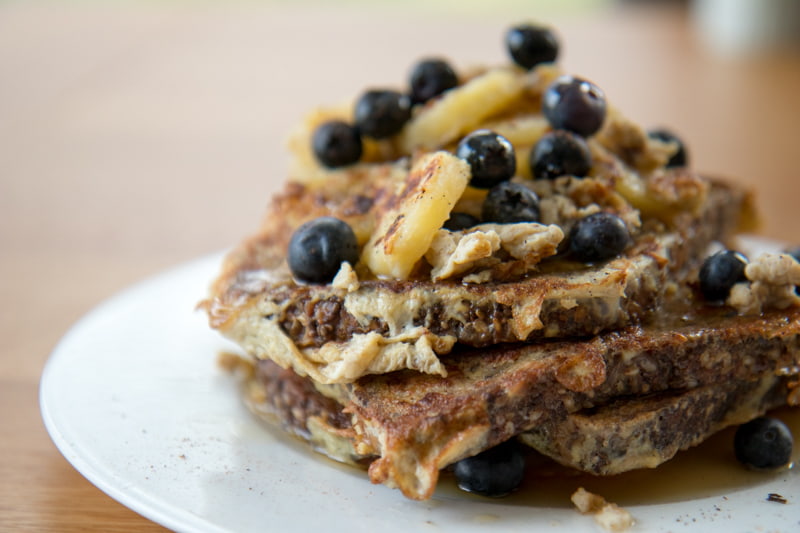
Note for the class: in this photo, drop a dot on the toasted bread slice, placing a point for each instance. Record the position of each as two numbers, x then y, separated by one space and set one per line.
337 332
643 432
714 370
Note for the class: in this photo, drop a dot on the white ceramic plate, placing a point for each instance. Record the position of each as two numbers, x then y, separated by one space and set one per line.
133 399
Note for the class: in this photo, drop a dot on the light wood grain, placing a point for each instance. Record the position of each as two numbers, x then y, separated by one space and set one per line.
138 136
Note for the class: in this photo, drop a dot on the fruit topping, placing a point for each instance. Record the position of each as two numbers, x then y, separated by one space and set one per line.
763 443
382 113
720 272
679 158
598 237
574 104
414 213
509 202
319 247
490 156
495 472
459 221
560 153
463 109
530 45
337 144
430 78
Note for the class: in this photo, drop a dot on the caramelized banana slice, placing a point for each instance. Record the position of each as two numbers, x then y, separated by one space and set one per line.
523 131
413 214
304 167
462 110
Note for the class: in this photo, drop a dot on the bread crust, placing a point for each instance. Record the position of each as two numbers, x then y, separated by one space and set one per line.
415 425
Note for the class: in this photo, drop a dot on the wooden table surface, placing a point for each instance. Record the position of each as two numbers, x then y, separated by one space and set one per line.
137 136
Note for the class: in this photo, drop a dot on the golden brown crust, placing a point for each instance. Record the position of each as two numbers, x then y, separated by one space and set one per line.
563 300
417 424
496 394
643 432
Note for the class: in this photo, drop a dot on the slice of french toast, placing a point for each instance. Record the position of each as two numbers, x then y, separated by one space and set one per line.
339 331
665 386
417 289
642 432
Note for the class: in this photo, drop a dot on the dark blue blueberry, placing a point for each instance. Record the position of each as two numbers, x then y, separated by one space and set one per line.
459 221
574 104
490 156
560 153
530 45
430 78
679 158
763 443
337 144
598 237
495 472
510 202
318 247
382 113
720 272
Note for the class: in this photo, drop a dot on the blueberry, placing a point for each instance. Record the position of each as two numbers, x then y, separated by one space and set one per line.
459 221
763 443
530 45
510 202
574 104
381 113
490 156
337 144
318 247
679 158
720 272
430 78
495 472
598 237
560 153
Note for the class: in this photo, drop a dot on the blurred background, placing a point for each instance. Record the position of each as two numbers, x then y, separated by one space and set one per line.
138 135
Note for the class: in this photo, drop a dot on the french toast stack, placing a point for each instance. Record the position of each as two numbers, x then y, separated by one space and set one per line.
499 254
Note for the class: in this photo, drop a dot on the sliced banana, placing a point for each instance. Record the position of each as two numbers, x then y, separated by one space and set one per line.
463 109
411 216
523 131
304 166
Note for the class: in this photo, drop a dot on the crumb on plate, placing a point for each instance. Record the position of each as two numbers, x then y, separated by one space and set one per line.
608 515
